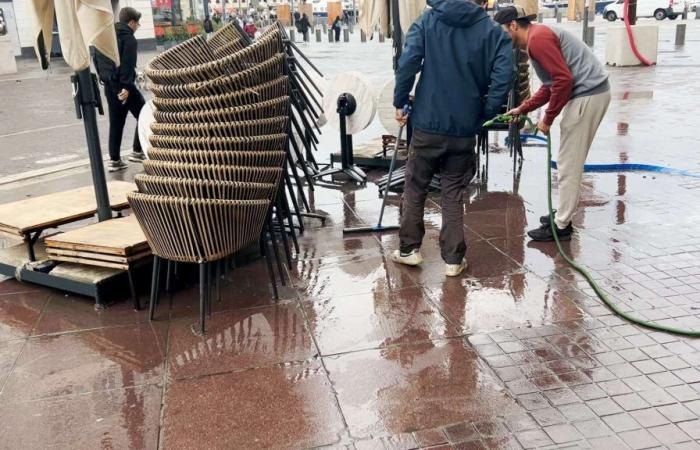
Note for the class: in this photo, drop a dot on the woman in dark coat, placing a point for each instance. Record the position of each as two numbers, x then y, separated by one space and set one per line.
337 26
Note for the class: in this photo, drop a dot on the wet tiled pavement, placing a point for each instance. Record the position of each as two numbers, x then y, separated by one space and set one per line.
361 353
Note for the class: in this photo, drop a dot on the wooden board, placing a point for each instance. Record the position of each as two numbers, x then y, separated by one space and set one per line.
54 253
91 262
116 237
52 210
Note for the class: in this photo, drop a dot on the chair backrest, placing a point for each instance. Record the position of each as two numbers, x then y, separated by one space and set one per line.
199 114
203 189
270 142
244 58
244 128
213 172
217 157
191 52
258 74
197 230
271 90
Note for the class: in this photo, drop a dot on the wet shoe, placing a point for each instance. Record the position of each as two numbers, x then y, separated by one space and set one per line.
452 270
544 220
413 258
117 165
544 233
137 157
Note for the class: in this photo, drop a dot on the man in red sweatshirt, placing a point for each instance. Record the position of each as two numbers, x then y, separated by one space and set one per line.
575 84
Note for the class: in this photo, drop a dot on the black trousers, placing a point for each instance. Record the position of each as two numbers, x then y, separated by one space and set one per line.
337 34
117 117
455 159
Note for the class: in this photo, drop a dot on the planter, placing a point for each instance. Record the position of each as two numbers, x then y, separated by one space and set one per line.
193 28
169 44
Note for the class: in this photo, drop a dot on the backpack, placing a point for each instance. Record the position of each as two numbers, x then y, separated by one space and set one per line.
107 71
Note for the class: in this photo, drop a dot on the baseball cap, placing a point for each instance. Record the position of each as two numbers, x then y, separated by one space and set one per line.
511 13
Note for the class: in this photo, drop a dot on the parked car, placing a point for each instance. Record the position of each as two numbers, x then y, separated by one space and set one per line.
658 9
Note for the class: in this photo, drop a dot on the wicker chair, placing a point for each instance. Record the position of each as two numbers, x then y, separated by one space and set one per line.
255 95
245 128
221 158
255 111
261 73
224 35
197 231
204 189
259 52
193 51
271 142
213 172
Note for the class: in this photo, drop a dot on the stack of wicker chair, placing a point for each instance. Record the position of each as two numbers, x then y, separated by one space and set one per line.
218 152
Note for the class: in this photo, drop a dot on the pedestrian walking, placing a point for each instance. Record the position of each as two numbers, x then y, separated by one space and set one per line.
337 26
466 70
575 85
250 28
304 26
208 25
120 89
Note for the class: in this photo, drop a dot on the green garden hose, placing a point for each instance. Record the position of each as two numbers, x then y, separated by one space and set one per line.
601 294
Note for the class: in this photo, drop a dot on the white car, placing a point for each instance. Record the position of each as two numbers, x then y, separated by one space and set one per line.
658 9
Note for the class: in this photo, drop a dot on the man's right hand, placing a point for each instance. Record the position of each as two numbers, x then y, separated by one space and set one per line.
401 118
514 113
123 95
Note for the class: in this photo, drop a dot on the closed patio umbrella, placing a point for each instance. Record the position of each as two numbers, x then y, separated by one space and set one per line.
80 23
385 13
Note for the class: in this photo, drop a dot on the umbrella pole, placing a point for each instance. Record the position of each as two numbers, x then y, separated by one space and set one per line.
86 102
397 35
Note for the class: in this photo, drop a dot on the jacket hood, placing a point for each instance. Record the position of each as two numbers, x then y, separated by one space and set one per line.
123 29
457 13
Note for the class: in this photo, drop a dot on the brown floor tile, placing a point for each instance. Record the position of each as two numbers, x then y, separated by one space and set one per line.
413 387
116 418
323 280
331 243
12 286
377 319
286 406
72 313
245 287
9 351
505 302
20 312
238 340
430 437
109 358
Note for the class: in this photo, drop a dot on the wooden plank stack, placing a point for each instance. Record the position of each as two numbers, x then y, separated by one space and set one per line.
116 244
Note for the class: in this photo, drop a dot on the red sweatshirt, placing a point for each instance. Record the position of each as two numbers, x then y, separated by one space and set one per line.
544 48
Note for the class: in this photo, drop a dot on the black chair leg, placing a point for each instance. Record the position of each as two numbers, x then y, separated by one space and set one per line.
283 233
132 288
275 249
268 262
155 286
202 295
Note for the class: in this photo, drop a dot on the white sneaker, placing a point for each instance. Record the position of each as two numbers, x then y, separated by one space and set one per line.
410 259
114 166
452 270
137 157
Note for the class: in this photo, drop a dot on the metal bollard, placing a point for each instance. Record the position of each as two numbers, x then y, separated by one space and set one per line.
346 35
684 15
330 35
381 37
540 17
697 13
318 35
292 37
363 36
558 14
590 36
680 34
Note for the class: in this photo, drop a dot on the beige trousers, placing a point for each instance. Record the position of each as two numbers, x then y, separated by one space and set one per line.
579 123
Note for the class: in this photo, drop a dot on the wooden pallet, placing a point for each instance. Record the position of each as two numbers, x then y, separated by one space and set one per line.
48 211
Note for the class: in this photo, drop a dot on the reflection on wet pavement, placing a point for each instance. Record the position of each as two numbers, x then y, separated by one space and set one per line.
361 353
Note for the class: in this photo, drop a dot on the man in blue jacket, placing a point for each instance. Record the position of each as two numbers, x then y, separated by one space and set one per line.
466 65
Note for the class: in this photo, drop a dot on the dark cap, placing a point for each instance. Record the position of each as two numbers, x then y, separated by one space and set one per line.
511 13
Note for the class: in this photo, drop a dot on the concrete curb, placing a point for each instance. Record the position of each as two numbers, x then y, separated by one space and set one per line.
44 171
